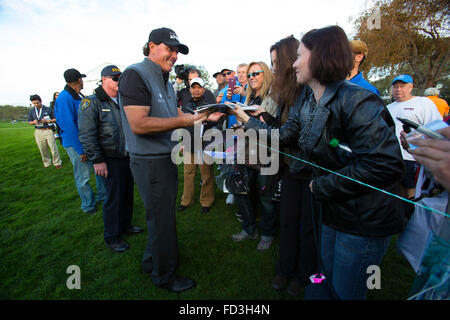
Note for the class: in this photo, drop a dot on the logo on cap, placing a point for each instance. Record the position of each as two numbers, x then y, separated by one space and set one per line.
173 36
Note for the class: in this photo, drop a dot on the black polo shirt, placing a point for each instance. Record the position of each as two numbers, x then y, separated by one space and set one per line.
133 90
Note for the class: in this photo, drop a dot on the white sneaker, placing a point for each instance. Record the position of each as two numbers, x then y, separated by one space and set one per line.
237 237
264 244
230 199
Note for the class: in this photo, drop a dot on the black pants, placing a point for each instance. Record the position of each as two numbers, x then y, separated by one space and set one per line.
297 252
157 182
118 207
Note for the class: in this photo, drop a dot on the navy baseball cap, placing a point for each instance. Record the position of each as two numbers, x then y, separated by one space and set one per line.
168 37
72 75
110 71
223 70
403 77
216 74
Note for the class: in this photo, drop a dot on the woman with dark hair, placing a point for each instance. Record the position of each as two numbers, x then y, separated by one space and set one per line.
357 220
52 103
297 256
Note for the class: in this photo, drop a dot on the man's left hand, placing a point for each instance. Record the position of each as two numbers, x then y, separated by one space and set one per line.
239 90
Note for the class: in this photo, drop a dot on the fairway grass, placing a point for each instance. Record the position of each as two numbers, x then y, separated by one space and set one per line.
43 231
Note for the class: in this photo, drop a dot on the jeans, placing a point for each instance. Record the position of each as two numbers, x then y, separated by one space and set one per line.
345 259
247 210
82 174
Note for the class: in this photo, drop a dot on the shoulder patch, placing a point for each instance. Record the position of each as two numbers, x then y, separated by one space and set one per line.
85 103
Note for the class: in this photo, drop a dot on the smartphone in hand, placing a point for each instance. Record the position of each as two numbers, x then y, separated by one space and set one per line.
232 84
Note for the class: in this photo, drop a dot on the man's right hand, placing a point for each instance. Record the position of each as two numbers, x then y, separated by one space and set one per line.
190 119
229 94
83 157
101 169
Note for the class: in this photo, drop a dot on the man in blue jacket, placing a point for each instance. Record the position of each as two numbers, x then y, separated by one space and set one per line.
360 52
66 113
239 92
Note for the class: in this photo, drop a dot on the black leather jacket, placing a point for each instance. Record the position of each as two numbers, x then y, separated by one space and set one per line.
359 119
296 168
100 127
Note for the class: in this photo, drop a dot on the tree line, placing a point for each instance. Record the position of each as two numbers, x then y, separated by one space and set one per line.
407 37
10 113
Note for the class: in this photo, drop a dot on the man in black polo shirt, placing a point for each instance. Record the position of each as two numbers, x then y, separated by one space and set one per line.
149 110
43 119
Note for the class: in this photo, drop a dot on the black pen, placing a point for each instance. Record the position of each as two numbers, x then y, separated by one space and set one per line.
422 129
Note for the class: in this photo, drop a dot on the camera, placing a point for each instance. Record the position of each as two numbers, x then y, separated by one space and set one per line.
182 71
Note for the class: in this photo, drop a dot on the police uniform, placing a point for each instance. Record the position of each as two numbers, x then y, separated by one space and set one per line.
44 136
102 138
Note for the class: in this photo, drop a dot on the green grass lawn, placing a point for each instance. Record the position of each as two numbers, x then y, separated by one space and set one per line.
43 231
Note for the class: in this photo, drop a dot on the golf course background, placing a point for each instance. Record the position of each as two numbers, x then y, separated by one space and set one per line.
43 231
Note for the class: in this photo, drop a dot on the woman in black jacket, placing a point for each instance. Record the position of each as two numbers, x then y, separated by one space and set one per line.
297 254
357 220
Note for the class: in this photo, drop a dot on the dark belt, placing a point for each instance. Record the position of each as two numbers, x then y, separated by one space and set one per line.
43 128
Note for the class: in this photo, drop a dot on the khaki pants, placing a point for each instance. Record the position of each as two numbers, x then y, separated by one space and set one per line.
207 189
45 140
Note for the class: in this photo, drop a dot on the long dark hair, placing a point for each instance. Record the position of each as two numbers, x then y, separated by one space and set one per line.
285 89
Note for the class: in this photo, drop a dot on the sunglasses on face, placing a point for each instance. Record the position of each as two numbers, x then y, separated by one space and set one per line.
115 78
227 73
254 74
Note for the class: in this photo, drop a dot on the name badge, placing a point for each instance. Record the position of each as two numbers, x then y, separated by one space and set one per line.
106 110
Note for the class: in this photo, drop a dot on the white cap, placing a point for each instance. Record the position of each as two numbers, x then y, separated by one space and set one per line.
197 80
431 92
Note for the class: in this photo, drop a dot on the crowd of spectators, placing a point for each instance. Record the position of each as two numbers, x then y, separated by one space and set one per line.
330 223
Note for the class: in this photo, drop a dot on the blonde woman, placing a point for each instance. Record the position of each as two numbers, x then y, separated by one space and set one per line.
260 79
259 82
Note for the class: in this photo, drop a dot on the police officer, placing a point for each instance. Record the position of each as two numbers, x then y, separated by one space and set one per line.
103 141
149 114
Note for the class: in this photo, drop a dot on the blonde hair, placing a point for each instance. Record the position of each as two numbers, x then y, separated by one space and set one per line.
267 82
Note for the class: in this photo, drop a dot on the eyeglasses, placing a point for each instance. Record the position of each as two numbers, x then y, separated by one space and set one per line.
115 78
227 73
254 74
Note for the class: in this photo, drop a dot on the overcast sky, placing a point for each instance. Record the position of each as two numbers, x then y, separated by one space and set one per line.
40 39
